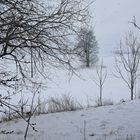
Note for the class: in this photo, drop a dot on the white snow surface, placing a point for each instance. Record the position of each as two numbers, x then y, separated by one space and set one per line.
117 122
81 86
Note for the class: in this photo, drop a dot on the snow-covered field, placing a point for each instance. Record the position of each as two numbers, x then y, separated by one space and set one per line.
83 87
117 122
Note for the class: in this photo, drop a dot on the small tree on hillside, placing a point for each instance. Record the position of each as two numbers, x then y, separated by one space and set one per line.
87 47
100 80
127 62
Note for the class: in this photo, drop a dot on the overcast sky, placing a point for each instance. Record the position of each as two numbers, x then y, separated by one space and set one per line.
111 21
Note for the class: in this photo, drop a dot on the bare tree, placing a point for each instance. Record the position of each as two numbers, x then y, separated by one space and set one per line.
33 32
127 62
32 110
87 47
100 80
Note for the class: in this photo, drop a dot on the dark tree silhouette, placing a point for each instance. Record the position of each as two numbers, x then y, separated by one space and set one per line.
33 32
87 47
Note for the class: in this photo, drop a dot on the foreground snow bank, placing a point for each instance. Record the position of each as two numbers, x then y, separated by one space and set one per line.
117 122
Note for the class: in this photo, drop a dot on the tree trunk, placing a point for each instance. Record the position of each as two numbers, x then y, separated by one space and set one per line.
132 93
87 57
101 93
87 64
132 89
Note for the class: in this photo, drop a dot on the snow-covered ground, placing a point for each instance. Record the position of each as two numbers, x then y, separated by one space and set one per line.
83 87
110 122
117 122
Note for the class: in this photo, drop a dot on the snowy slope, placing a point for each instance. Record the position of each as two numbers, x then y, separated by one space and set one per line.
110 122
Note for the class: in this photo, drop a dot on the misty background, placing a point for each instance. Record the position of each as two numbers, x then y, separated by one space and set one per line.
111 22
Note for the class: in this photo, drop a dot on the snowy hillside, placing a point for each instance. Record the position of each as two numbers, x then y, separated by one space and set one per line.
48 37
118 122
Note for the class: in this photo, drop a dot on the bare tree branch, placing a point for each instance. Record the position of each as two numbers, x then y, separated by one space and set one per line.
127 62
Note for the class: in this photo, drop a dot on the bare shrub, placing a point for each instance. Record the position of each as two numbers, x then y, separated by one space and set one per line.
98 103
130 137
64 103
41 107
104 103
22 104
107 102
13 116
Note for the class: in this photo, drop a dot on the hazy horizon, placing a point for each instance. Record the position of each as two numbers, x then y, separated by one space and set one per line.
111 21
